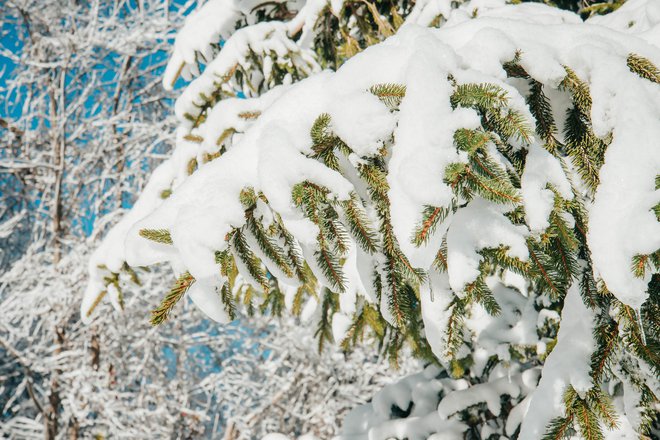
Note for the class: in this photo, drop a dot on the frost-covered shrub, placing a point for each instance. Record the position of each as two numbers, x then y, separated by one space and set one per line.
485 193
121 378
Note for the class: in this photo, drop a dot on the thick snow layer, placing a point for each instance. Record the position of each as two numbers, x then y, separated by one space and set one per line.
426 11
111 254
466 238
542 169
423 147
306 18
516 325
214 24
225 118
489 392
634 16
436 297
362 122
432 402
203 28
420 392
535 12
567 364
205 296
621 221
264 39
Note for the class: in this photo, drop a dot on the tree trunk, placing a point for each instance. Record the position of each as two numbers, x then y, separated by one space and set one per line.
54 399
57 125
95 348
118 138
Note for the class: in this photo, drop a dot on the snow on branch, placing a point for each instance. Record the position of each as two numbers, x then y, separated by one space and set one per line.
450 189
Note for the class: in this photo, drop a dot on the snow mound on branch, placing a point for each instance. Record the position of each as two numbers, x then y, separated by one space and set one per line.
207 28
436 297
424 147
362 121
622 223
431 400
542 169
634 16
268 39
466 238
568 364
203 28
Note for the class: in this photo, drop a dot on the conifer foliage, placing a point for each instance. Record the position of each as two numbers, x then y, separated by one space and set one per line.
472 194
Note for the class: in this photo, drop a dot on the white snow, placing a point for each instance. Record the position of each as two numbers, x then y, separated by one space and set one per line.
466 237
202 28
206 298
541 169
567 364
436 297
361 121
423 146
489 392
621 221
634 16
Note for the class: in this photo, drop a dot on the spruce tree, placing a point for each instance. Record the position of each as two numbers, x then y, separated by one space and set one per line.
472 195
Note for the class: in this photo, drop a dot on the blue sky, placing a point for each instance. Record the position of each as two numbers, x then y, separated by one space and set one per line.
11 37
8 40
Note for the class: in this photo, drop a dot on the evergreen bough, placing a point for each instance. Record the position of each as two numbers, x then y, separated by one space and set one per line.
264 264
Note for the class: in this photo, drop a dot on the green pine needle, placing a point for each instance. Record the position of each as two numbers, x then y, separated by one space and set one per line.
643 67
160 314
513 69
541 109
579 90
468 180
479 292
268 245
482 96
359 224
455 327
601 405
329 264
640 264
587 152
587 421
249 260
329 304
393 289
158 235
390 94
560 428
440 261
228 301
432 216
248 197
322 137
376 179
471 140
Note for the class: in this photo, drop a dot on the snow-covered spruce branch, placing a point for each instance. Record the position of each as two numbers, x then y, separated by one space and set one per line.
485 193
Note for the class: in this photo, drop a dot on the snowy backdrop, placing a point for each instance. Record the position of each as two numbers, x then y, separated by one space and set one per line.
307 219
